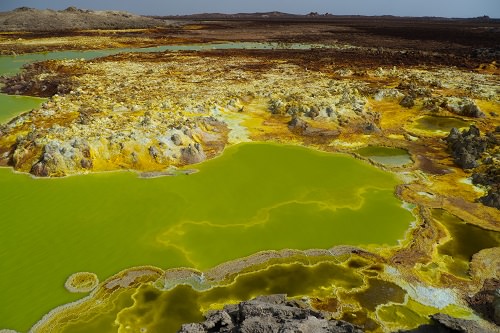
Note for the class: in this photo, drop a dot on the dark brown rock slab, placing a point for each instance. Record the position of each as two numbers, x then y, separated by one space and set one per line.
269 314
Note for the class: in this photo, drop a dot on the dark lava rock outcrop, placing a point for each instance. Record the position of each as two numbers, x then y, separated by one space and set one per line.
492 199
457 325
266 314
470 150
297 124
464 107
38 79
407 102
442 323
487 301
466 147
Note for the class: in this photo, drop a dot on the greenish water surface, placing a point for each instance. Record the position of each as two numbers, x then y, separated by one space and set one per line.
437 123
254 197
386 155
465 241
11 106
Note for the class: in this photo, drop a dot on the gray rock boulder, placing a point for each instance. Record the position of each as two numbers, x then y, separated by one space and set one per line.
193 154
407 102
176 139
492 199
297 124
370 128
442 323
464 107
458 325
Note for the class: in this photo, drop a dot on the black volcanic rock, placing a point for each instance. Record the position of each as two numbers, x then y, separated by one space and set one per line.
466 147
266 314
407 102
458 325
487 301
492 199
442 323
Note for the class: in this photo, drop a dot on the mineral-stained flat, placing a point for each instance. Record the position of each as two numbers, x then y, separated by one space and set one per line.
154 112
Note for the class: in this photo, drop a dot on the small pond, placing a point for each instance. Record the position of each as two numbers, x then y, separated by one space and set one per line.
439 124
389 156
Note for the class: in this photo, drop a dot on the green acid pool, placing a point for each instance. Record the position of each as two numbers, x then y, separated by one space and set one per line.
439 123
389 156
14 105
254 197
465 241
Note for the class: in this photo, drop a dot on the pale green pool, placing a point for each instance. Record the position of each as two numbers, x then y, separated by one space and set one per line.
11 106
389 156
465 241
439 123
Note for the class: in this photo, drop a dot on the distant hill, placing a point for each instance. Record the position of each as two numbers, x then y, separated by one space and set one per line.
250 16
312 16
238 15
72 18
29 19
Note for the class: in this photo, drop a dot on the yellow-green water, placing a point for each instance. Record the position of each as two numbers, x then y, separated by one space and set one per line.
11 106
465 241
254 197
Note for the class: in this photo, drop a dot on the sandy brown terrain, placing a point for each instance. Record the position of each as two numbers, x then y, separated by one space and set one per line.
379 40
72 18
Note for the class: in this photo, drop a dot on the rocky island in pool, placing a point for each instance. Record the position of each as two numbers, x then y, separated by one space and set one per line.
316 174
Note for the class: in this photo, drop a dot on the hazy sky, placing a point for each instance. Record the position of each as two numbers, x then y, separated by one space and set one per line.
446 8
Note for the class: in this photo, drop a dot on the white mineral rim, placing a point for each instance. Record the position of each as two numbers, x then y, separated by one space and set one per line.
73 287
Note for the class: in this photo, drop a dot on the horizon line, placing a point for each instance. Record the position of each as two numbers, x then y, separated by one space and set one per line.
317 14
